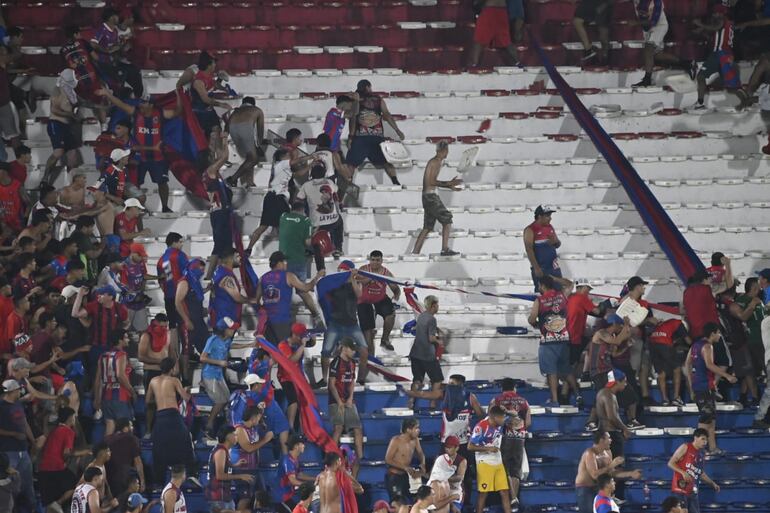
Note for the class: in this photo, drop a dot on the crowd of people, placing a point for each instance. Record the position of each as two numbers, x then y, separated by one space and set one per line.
74 298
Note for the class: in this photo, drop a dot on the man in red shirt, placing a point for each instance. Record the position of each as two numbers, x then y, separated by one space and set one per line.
19 166
6 303
579 306
374 301
128 225
13 202
56 481
16 322
104 317
698 304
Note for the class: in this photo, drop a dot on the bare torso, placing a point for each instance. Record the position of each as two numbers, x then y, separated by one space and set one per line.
431 173
163 353
602 458
606 409
164 390
330 492
441 491
404 452
242 114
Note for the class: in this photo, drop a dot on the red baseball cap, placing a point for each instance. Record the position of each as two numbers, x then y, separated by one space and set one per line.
380 505
299 329
138 248
452 441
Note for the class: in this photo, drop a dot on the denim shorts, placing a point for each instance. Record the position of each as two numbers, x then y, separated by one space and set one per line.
335 333
299 270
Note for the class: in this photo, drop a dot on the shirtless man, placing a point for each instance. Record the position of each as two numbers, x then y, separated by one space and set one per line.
242 124
607 411
399 456
150 341
171 441
327 483
431 202
595 461
427 498
73 197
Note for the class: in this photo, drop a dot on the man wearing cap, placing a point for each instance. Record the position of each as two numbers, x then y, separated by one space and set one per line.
275 290
104 317
128 224
148 136
260 393
367 131
608 412
133 277
20 369
541 243
214 360
579 307
15 439
447 475
342 408
343 322
549 315
113 183
293 347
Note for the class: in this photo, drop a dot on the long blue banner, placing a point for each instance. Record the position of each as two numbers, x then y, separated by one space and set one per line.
682 257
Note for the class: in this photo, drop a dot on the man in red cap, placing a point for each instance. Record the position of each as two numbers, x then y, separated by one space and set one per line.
294 349
447 475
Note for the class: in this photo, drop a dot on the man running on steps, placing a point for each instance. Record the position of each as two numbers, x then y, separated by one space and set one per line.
246 126
700 364
368 132
432 204
652 18
492 31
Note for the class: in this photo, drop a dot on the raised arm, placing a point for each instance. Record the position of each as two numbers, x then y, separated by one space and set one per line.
128 109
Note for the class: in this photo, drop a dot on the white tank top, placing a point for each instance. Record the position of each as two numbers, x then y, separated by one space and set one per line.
179 506
459 427
80 499
443 469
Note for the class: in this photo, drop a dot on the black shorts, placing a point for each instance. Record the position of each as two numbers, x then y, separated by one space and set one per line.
512 452
575 350
422 367
55 484
706 406
721 356
398 486
367 312
173 316
289 392
222 230
618 444
272 207
366 147
158 171
663 358
61 135
599 11
207 119
742 361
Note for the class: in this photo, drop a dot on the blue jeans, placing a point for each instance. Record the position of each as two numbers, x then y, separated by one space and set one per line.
300 270
335 333
585 498
26 501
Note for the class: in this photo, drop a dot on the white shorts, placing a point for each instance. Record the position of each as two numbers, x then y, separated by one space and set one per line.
657 34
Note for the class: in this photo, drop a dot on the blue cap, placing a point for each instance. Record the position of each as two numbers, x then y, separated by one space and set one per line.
346 265
765 273
614 376
135 500
614 319
75 370
106 290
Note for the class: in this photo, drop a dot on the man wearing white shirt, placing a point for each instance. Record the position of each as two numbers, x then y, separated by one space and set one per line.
323 204
276 200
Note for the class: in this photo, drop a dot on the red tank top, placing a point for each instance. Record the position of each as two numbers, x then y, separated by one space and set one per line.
541 232
692 464
664 332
